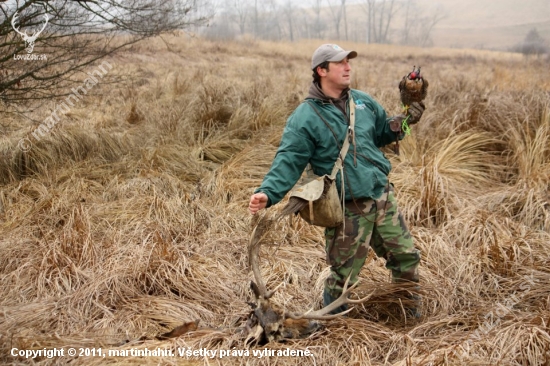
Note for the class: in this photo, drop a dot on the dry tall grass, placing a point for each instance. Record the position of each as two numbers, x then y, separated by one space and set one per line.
130 218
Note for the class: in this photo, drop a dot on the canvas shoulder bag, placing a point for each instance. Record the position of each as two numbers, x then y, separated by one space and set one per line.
324 207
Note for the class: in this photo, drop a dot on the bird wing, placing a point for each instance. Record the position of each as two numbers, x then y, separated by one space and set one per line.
402 83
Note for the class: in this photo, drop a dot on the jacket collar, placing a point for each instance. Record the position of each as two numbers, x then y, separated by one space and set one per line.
315 92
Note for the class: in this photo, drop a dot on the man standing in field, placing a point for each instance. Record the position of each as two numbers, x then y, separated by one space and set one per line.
314 134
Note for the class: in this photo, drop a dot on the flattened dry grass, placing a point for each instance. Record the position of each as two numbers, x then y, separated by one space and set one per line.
130 217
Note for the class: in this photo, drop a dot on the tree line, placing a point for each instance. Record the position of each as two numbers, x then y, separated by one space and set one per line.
44 44
367 21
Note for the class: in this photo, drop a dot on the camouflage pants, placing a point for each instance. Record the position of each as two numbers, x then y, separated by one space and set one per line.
370 223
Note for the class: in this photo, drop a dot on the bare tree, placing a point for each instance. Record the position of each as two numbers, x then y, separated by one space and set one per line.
271 20
318 25
336 11
289 14
417 29
407 24
426 26
344 13
255 18
370 10
239 12
533 44
78 33
380 14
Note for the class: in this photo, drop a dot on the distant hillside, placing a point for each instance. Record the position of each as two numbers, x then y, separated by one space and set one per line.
488 24
485 24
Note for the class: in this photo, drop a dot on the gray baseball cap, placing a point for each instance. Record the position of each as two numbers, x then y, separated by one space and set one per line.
330 52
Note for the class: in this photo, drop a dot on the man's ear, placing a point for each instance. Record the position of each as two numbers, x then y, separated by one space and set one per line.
322 72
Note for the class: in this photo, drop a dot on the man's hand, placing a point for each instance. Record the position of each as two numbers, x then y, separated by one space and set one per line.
416 109
257 202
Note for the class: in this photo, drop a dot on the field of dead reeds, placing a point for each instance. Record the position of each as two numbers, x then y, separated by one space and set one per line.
130 217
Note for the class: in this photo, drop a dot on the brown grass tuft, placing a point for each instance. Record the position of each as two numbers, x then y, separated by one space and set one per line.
129 218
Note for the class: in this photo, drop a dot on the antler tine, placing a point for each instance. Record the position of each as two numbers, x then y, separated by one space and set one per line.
321 314
268 294
13 21
253 258
43 27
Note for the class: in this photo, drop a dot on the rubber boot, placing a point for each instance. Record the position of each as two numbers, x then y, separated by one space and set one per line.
414 310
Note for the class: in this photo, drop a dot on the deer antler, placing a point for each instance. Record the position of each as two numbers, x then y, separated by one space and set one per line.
260 290
13 21
268 320
321 314
259 232
35 35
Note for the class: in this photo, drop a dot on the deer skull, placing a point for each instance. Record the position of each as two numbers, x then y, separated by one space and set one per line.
270 322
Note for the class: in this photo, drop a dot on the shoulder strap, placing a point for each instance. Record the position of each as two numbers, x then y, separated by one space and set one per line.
350 135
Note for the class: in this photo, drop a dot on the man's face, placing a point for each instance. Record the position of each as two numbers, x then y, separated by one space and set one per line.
338 74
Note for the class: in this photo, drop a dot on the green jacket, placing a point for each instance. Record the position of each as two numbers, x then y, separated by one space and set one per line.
306 139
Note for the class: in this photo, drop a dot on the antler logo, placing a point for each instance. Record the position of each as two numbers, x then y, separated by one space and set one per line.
29 40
